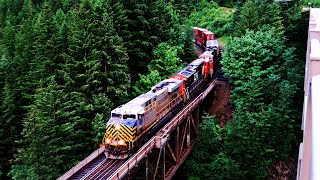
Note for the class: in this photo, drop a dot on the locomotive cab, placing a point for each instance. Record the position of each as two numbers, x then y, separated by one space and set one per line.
211 45
121 131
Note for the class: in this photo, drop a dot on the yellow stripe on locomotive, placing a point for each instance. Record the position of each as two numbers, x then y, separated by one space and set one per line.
119 134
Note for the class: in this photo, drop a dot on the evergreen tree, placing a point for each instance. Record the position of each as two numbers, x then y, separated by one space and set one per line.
96 53
120 20
112 54
40 63
248 18
40 157
188 53
151 22
3 13
263 94
164 64
10 124
54 115
259 14
208 160
9 131
185 7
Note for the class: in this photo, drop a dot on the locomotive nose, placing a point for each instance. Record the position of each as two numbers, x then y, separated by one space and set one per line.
117 126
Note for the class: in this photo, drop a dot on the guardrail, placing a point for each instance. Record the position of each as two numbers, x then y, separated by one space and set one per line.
309 152
315 151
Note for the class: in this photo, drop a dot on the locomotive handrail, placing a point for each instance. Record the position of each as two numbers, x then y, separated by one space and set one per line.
159 118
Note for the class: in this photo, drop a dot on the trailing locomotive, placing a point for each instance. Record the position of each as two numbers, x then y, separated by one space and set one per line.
133 123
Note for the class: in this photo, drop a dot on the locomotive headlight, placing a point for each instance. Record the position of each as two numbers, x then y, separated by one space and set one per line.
121 142
117 126
108 141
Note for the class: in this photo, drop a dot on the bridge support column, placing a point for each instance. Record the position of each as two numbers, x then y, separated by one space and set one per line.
177 147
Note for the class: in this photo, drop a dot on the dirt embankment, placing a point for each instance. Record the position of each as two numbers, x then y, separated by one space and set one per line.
221 106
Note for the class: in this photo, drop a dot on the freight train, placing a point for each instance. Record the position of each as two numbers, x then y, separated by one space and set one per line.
133 123
205 38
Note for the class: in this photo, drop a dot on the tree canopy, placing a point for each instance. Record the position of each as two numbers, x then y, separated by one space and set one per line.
65 64
266 75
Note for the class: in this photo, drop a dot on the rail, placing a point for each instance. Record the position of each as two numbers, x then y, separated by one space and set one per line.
81 164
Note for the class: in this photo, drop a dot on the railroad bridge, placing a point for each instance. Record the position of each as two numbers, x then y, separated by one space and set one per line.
159 158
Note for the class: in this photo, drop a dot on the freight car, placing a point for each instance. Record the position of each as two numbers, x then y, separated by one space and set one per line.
133 123
205 38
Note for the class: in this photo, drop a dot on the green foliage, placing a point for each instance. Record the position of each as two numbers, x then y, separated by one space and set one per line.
188 53
145 82
81 51
55 115
184 7
165 60
9 131
253 58
256 15
151 22
262 128
36 161
208 160
265 75
216 19
165 63
315 3
224 40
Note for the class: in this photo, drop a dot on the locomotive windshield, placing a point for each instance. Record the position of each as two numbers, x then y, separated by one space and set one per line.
115 115
210 43
129 116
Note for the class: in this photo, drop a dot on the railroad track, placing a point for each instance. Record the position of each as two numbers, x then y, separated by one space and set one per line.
99 168
105 169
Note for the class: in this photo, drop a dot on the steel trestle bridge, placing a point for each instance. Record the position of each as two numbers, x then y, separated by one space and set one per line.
159 158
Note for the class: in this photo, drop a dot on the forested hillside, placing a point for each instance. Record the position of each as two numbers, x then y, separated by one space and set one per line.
264 60
64 64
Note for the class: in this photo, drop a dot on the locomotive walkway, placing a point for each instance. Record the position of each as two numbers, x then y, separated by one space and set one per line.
309 152
159 158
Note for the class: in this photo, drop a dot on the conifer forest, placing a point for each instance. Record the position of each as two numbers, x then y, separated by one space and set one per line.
65 64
